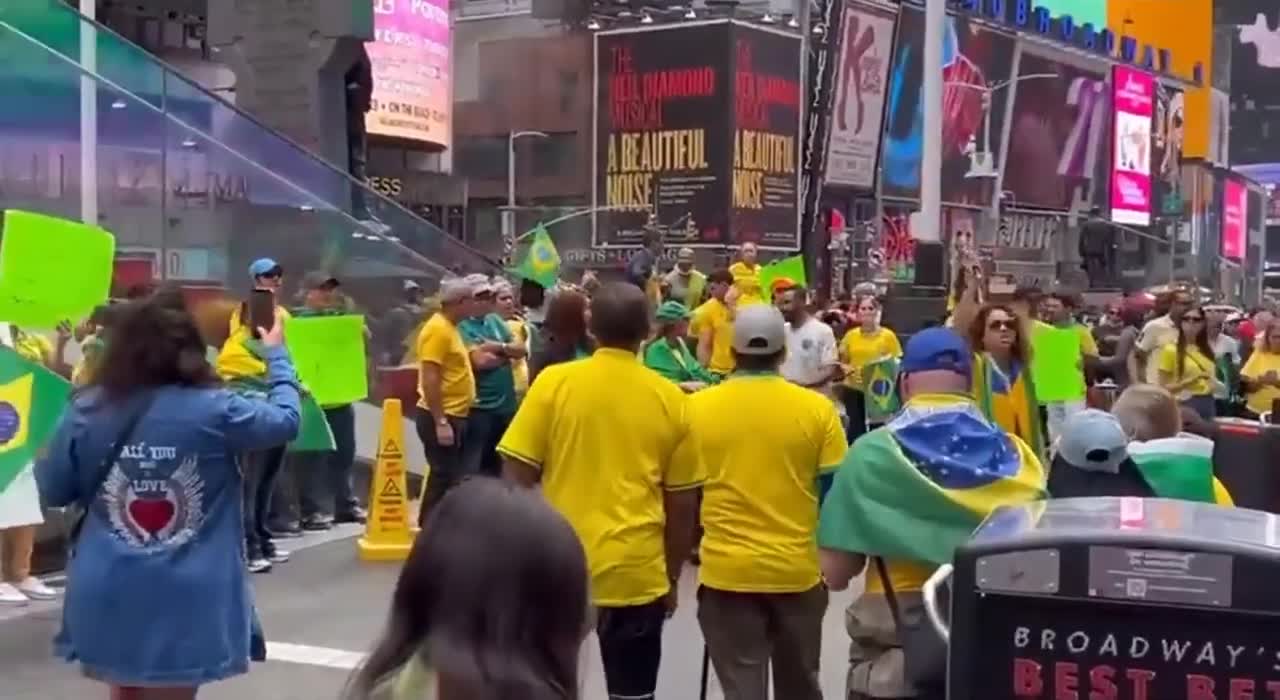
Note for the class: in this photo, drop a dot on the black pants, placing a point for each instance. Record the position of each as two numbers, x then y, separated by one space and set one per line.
855 408
260 471
485 429
447 463
631 648
326 489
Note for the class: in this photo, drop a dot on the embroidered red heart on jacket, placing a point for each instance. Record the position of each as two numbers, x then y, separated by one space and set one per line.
152 515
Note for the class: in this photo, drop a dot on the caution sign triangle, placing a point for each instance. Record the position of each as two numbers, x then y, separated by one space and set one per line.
391 449
391 490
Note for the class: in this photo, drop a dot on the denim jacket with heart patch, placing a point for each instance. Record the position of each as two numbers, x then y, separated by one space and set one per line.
157 590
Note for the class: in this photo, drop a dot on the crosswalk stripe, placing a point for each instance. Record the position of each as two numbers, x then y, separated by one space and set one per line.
313 656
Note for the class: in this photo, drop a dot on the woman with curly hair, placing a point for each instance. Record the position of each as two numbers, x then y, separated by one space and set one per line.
1002 382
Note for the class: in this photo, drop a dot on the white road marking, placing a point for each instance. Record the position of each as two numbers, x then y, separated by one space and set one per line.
313 656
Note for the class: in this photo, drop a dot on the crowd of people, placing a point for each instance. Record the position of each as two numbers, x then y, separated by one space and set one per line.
620 431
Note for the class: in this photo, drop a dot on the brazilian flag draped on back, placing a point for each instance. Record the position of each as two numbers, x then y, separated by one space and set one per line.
541 263
917 488
880 389
32 400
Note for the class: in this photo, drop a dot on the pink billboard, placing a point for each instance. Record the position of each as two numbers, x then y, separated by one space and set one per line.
1133 101
1234 204
411 71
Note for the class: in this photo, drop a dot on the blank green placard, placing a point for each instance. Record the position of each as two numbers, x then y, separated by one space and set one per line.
52 269
1055 358
329 354
791 268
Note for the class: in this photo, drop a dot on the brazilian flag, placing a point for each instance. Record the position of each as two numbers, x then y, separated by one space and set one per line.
918 487
542 262
880 389
314 434
32 400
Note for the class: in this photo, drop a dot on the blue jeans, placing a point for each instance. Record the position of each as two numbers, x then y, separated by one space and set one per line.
260 471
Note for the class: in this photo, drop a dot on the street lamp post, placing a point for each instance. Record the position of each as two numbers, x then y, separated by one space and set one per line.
509 216
982 160
927 229
89 115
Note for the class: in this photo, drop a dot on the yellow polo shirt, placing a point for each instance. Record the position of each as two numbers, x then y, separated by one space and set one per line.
610 436
440 343
765 441
714 314
1195 365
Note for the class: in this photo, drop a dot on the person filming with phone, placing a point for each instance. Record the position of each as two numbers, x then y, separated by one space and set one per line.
242 365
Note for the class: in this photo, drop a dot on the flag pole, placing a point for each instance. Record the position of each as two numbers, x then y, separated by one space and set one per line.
570 215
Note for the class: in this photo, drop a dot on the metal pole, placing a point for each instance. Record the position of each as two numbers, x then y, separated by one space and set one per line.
509 216
929 230
89 114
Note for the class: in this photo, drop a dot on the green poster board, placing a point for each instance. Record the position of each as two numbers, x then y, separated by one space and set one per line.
329 354
1055 363
52 270
791 268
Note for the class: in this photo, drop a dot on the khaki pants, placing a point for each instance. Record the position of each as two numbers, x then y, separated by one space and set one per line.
876 662
16 547
745 632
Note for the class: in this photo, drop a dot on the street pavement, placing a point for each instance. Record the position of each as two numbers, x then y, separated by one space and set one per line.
323 610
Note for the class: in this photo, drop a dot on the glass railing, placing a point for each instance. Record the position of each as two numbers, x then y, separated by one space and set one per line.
210 160
190 203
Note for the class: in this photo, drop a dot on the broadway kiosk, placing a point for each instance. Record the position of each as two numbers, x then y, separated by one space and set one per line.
1109 598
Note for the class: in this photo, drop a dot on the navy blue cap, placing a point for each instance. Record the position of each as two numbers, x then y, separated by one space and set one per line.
935 349
264 266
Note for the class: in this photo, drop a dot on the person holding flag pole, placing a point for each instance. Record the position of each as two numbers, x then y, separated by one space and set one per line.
20 513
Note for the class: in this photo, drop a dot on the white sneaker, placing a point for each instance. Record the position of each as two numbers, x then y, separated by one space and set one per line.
259 566
35 589
10 595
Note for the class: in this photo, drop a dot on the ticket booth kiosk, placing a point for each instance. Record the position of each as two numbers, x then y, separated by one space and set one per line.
1123 599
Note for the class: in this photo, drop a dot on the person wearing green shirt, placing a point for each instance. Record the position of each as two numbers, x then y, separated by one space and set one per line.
668 353
325 492
492 348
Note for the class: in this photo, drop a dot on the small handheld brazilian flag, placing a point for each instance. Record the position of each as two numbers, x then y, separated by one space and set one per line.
880 389
541 263
32 400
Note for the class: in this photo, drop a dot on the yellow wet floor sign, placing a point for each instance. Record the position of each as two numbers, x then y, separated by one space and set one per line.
387 536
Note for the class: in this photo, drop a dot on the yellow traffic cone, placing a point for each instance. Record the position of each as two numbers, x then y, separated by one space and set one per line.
386 534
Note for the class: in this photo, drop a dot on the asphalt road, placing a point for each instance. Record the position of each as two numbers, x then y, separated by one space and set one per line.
321 612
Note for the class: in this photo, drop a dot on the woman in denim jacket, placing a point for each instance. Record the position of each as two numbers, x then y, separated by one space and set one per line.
158 601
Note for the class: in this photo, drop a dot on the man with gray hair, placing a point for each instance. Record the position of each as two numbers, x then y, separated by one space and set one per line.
492 349
446 387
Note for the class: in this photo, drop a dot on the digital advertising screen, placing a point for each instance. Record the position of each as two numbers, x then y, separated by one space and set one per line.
1235 205
1133 100
412 98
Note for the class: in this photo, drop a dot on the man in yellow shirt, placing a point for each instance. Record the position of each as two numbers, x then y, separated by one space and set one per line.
712 325
446 389
762 600
610 442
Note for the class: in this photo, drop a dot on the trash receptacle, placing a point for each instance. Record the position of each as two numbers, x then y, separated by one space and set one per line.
1116 598
1246 459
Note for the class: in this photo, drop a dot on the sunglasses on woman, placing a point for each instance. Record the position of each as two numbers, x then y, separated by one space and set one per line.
1193 319
1002 325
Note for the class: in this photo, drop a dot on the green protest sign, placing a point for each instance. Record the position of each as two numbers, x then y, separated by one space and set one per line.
791 268
1055 363
329 354
52 270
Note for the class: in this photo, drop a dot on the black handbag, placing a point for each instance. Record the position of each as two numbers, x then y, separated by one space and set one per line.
88 495
924 651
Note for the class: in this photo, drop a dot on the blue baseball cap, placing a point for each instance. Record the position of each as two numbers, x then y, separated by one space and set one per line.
264 266
935 349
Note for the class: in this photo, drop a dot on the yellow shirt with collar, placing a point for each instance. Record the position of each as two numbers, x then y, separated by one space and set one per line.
440 343
609 437
760 500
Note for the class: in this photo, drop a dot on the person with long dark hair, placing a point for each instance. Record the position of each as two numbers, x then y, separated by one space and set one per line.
1186 367
564 332
1002 383
491 604
148 449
